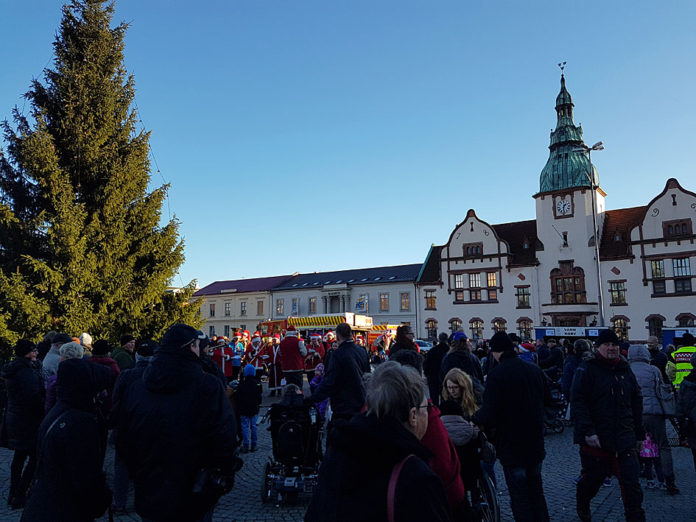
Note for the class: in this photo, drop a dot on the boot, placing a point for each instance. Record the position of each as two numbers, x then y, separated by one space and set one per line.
672 488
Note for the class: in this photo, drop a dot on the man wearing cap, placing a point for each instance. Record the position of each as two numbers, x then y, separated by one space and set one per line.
172 423
513 406
50 362
124 355
682 359
292 354
607 407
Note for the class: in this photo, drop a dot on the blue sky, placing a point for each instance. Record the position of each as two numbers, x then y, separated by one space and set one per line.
323 135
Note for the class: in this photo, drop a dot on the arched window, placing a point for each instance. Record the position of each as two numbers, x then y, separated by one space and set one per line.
455 324
499 324
524 327
619 324
655 323
567 284
476 328
431 328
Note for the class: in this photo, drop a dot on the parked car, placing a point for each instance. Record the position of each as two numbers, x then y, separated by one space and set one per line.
423 345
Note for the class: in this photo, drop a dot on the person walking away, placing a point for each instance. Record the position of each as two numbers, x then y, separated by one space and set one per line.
432 365
608 408
343 382
682 359
70 485
658 358
292 354
650 381
144 352
25 411
248 402
460 356
686 407
124 355
513 406
71 350
174 425
375 468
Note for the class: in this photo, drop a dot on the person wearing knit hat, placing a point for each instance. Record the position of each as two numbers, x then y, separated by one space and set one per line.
248 400
101 354
86 341
25 395
123 355
50 362
513 406
607 405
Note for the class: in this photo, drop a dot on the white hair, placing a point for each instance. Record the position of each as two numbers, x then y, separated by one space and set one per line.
71 350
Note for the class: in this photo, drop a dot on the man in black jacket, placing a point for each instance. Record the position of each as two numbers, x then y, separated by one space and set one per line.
513 405
607 406
432 365
174 422
343 382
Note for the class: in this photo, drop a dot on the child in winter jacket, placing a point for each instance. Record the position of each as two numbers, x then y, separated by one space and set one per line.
314 383
248 398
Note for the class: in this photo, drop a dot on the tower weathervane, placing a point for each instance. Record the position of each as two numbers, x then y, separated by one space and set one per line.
561 66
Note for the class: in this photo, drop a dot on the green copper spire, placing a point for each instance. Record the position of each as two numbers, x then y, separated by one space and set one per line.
566 167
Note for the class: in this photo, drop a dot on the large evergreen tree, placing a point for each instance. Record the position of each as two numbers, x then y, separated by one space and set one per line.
82 247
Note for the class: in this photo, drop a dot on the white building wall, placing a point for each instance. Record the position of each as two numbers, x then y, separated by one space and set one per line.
222 323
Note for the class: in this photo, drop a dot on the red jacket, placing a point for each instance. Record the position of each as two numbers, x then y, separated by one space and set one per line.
217 357
445 462
291 358
315 358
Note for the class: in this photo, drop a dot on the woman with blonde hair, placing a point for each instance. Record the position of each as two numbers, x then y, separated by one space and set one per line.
457 386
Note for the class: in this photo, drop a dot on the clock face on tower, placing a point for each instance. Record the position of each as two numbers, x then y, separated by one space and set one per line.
563 207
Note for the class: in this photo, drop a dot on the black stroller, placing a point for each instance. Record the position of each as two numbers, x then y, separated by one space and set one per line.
555 412
294 467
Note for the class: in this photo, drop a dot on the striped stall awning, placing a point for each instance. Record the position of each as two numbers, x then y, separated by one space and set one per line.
384 327
318 321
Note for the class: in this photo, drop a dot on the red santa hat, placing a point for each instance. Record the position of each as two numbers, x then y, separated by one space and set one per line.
276 336
246 333
329 336
291 331
314 335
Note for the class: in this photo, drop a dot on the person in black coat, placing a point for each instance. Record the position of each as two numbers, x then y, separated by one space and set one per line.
378 447
25 398
403 340
432 365
248 396
70 485
553 364
173 423
460 356
513 406
343 382
607 406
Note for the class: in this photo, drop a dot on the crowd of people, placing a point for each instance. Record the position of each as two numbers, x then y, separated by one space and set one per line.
407 433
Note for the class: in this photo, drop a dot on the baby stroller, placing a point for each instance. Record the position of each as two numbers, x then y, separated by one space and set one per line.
293 469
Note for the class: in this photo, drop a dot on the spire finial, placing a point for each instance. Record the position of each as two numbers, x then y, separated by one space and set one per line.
561 66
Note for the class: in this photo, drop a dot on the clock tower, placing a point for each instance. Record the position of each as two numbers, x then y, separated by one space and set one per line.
568 187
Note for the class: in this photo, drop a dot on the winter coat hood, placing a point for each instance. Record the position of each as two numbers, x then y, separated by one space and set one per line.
459 429
638 352
169 371
80 381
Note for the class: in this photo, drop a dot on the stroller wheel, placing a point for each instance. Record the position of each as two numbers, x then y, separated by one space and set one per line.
267 486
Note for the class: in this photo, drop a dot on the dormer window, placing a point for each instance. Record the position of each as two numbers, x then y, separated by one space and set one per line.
676 229
473 249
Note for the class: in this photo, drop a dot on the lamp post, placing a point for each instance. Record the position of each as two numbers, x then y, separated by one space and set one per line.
588 150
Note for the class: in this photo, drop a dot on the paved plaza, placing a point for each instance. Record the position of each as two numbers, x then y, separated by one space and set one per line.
561 466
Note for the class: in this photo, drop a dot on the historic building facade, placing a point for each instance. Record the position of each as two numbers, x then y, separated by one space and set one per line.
517 276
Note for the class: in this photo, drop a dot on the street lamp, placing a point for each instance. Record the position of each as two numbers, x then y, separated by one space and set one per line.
588 150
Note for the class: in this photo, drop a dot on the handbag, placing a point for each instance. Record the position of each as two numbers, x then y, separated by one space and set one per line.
649 449
391 487
666 398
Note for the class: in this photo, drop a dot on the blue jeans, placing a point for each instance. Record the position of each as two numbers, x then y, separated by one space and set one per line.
249 424
526 493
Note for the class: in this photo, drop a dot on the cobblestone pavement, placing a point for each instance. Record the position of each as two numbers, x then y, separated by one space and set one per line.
561 466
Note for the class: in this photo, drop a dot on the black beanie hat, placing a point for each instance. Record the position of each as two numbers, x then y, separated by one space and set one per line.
23 347
607 336
101 347
178 336
125 339
501 342
146 347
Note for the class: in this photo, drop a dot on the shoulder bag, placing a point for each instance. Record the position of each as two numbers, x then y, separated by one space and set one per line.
666 398
391 488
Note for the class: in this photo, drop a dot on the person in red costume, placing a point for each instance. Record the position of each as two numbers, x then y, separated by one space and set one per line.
275 372
222 355
256 356
315 354
292 354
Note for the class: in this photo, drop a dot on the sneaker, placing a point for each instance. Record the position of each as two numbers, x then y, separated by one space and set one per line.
650 484
607 482
661 486
672 488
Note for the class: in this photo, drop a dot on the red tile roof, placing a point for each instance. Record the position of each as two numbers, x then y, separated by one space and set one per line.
616 231
516 235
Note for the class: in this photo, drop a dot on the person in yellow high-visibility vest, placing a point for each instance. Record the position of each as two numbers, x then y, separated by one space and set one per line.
682 359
